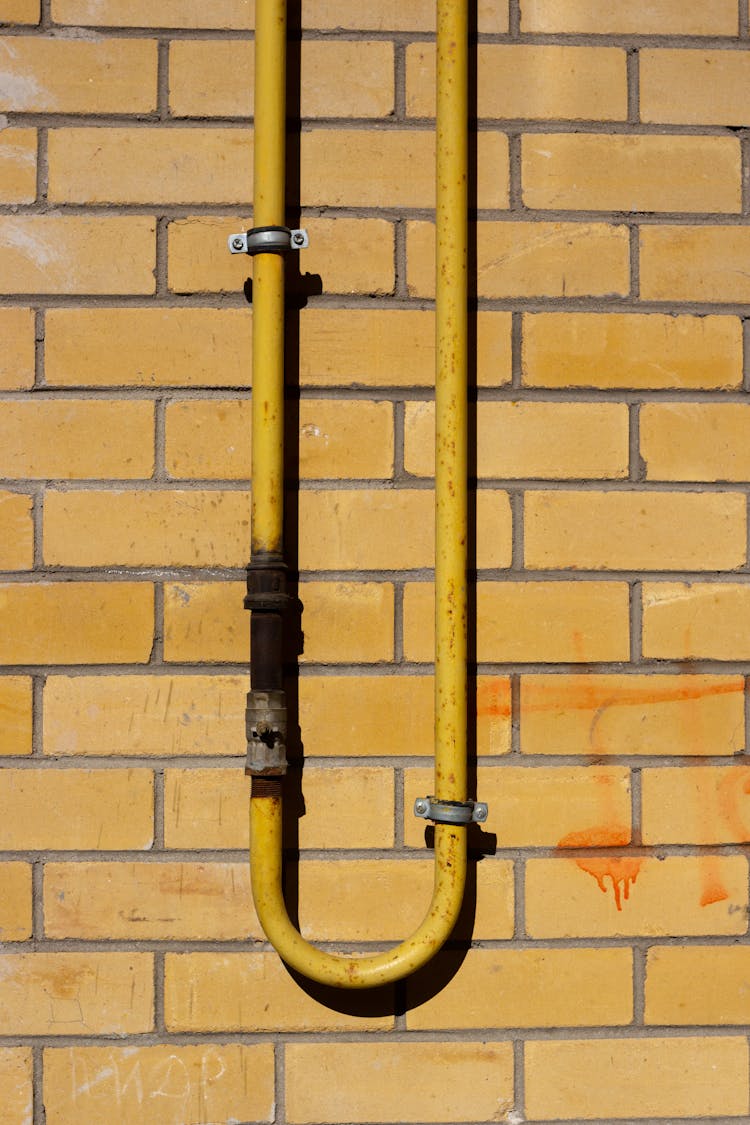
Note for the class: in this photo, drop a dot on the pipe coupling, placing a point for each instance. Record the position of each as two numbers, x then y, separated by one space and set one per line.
265 726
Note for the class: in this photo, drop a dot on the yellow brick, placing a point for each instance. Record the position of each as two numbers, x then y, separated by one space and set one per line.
252 992
356 712
343 622
612 350
15 715
635 530
147 347
530 82
338 79
162 1085
64 254
61 75
77 993
653 714
17 358
17 163
211 439
362 530
694 263
391 168
350 255
623 895
16 528
16 1092
226 14
696 805
103 810
137 165
696 619
76 622
74 439
698 985
517 259
343 808
692 441
480 1086
695 87
393 15
642 17
596 172
529 988
538 807
149 901
15 901
20 11
137 528
531 621
165 716
613 1078
530 439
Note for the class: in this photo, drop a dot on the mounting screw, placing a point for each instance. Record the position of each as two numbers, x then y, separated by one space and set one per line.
298 238
238 243
420 807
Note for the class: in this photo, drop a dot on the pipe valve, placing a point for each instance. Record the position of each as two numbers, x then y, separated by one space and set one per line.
265 727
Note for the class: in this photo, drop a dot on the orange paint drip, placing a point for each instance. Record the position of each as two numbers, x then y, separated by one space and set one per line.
620 871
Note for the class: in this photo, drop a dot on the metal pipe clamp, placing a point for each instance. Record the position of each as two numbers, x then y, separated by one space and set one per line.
268 240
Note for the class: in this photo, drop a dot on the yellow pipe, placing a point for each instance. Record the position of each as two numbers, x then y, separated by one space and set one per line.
450 562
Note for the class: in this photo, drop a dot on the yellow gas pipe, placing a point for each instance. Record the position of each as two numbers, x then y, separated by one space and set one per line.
450 487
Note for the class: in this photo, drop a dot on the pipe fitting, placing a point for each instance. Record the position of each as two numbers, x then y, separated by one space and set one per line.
265 727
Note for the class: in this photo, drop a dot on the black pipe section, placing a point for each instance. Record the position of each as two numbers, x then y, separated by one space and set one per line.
265 717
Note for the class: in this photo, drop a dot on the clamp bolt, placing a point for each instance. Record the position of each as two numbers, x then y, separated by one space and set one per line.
298 238
421 807
238 243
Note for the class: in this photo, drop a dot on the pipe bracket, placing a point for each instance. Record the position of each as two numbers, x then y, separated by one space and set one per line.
268 240
450 812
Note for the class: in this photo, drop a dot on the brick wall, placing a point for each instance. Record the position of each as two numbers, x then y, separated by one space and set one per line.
599 970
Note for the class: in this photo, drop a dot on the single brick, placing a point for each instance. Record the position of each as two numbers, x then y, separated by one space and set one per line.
252 992
695 804
15 709
139 528
343 622
635 530
351 807
76 439
624 715
17 163
20 11
695 441
164 716
16 1065
224 14
700 984
696 619
89 993
694 263
211 77
146 165
622 895
480 1086
695 87
76 622
100 347
356 712
531 621
362 530
596 172
532 259
149 901
211 439
530 82
391 168
65 75
160 1085
639 17
530 439
65 254
539 806
16 527
349 255
17 358
621 350
15 902
90 810
672 1078
528 988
